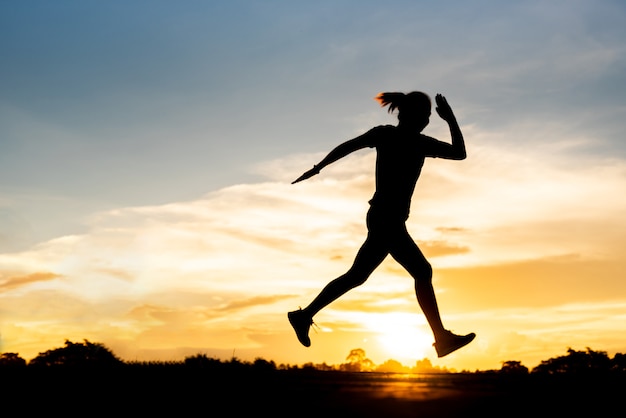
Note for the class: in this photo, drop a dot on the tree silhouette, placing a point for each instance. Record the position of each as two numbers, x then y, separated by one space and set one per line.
514 368
619 363
357 361
426 366
576 363
392 366
77 354
263 365
11 360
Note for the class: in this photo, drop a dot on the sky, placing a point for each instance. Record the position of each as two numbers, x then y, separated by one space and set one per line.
147 150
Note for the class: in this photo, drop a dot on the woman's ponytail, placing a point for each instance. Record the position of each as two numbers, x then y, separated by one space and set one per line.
412 102
393 100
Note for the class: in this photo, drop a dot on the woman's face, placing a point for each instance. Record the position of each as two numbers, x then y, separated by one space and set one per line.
415 118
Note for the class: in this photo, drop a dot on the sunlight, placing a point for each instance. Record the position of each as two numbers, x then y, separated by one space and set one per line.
402 337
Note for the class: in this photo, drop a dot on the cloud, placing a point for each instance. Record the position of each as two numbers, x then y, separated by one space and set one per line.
252 302
533 283
15 282
506 229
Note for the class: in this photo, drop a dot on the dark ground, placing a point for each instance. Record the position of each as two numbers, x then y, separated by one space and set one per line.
181 391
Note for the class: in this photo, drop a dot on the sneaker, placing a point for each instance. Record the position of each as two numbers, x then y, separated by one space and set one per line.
451 342
301 324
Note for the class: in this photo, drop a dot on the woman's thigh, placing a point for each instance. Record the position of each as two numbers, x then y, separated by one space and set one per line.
370 255
388 235
406 252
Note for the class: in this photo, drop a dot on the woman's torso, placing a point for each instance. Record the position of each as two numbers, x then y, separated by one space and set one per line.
399 161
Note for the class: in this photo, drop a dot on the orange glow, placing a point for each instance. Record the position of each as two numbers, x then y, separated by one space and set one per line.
401 338
220 273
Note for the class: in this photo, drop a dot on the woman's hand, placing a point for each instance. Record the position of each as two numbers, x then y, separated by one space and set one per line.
443 108
312 172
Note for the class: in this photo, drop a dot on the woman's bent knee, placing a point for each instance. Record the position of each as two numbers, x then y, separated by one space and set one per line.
423 274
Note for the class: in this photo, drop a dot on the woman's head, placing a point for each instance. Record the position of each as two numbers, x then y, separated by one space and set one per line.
414 108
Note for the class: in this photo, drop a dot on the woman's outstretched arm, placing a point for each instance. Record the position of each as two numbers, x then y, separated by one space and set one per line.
339 152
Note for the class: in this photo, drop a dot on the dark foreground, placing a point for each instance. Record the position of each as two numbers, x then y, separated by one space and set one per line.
167 391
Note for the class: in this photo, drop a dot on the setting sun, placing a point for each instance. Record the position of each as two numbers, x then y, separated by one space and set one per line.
402 336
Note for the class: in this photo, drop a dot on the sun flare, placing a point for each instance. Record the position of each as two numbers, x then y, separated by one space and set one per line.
402 337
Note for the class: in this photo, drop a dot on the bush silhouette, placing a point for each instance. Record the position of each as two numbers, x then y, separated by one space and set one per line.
392 366
77 354
202 361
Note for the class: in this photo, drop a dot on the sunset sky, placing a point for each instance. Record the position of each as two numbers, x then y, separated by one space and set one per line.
147 150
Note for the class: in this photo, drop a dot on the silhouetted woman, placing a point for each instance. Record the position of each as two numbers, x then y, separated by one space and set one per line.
400 154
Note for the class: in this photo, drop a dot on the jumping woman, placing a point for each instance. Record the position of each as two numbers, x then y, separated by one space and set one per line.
400 154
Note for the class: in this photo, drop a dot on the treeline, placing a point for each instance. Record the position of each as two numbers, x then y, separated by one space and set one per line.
96 355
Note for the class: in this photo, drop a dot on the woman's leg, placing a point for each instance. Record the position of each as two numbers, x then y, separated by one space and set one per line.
371 254
406 252
367 259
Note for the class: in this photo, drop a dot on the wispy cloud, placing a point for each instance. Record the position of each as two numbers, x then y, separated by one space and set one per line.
14 282
508 230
